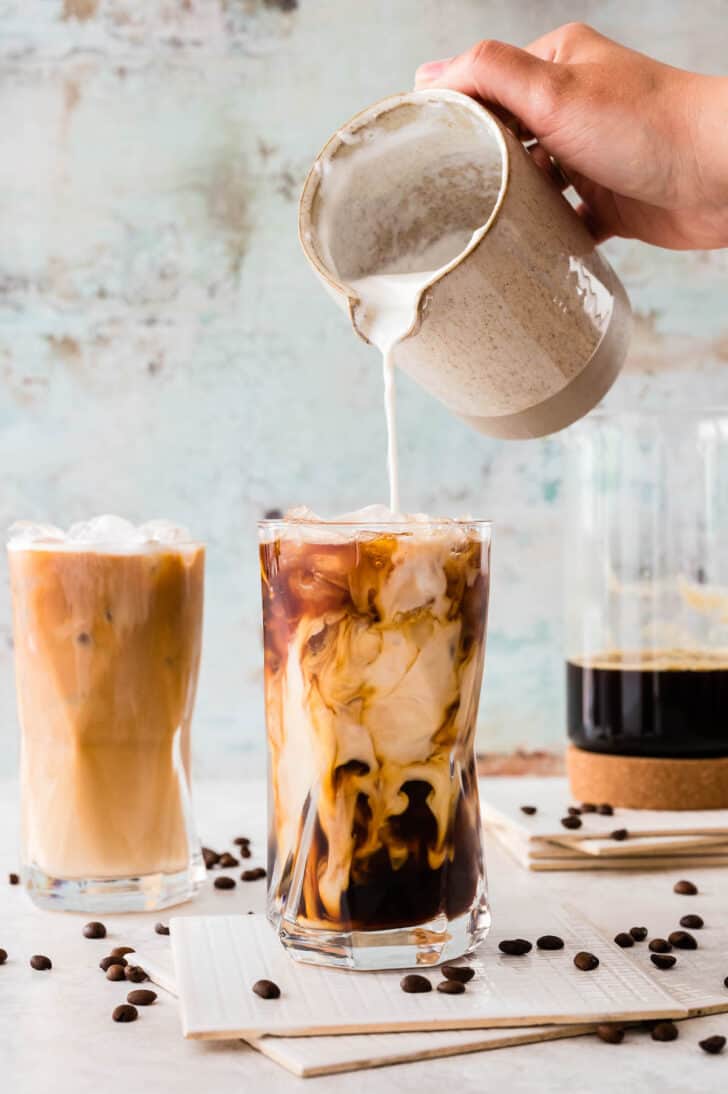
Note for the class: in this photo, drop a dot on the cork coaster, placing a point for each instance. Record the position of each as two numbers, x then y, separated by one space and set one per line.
636 782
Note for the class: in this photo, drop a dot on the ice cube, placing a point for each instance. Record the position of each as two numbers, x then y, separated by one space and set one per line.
28 531
164 531
106 529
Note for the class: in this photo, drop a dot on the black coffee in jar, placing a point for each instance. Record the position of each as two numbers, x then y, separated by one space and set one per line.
671 703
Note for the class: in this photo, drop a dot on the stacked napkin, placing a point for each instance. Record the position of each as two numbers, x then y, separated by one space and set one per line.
530 817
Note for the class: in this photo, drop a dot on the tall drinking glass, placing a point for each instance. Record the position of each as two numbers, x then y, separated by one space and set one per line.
107 647
374 644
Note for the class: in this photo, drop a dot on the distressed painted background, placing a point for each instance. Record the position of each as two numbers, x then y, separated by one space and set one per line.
164 349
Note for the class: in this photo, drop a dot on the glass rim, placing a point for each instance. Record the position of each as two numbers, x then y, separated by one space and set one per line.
375 525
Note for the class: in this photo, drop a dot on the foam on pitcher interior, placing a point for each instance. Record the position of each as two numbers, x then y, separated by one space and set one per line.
104 534
399 202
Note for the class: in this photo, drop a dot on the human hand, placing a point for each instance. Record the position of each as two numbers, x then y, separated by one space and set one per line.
643 143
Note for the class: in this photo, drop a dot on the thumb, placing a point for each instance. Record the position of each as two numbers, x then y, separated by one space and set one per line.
501 75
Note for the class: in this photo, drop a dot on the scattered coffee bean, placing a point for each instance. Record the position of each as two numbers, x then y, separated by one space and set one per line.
451 987
515 947
605 810
125 1013
414 984
241 841
664 1031
586 961
682 940
225 882
40 962
550 942
685 888
211 858
141 997
713 1045
253 875
624 940
136 974
694 922
121 951
613 1035
462 973
659 945
13 879
725 982
116 972
639 934
588 807
662 960
266 989
571 822
3 956
161 928
620 834
94 930
113 959
227 861
529 810
245 852
574 811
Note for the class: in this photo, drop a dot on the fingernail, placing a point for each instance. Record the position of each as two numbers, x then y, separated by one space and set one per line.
431 70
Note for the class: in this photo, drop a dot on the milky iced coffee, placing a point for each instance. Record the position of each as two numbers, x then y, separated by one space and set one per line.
107 629
374 634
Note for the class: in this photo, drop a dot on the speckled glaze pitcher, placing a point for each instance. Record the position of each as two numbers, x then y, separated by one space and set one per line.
526 329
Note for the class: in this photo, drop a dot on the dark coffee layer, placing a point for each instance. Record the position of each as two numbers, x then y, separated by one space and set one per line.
670 705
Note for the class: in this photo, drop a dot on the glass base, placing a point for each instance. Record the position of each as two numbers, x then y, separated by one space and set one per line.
147 893
425 945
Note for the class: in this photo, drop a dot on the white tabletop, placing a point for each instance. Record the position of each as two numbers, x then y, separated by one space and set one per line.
56 1031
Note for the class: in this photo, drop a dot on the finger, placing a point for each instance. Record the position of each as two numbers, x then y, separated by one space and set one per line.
502 75
597 228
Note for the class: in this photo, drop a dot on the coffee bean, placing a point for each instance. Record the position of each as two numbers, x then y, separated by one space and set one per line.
515 947
529 810
3 956
574 811
160 928
462 973
40 962
266 989
662 960
253 875
116 972
211 858
550 942
414 984
664 1031
136 974
725 982
141 997
13 879
639 934
571 822
620 834
121 951
245 852
685 888
227 861
94 930
125 1013
241 841
588 807
586 961
624 940
613 1035
451 987
605 810
225 882
713 1045
682 940
694 922
113 959
659 945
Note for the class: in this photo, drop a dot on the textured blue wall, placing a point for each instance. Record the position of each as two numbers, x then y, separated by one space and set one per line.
164 349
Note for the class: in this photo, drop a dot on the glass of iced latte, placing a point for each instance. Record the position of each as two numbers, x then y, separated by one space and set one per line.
107 627
374 633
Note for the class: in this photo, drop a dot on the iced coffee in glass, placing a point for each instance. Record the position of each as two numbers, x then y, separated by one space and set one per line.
374 634
107 628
